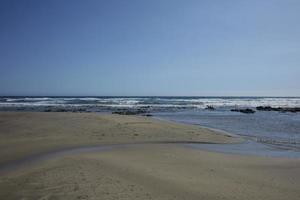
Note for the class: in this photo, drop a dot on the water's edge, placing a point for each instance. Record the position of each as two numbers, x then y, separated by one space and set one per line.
214 147
59 152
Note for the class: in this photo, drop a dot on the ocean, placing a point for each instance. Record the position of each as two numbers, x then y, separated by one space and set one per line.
275 130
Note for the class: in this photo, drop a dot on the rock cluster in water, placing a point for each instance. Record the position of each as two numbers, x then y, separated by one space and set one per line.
132 112
210 108
280 109
246 111
268 108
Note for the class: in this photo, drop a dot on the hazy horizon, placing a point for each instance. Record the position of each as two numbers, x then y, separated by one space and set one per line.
150 48
142 96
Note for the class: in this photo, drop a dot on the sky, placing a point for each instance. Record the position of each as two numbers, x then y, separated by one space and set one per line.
154 47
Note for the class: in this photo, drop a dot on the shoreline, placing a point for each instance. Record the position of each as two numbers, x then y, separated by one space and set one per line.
40 131
152 170
34 159
222 132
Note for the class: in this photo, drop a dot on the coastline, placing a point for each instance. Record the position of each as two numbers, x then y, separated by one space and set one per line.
221 132
41 132
144 171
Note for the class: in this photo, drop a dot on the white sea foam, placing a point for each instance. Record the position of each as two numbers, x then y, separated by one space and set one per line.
151 102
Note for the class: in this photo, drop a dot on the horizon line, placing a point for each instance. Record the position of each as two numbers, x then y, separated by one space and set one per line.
166 96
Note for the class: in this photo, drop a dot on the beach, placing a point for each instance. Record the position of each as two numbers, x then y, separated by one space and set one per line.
146 159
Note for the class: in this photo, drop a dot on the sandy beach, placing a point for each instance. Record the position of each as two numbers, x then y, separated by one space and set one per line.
157 166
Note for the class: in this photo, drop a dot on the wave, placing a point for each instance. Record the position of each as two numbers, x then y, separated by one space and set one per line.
166 102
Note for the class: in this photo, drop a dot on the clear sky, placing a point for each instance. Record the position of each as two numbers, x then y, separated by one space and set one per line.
154 47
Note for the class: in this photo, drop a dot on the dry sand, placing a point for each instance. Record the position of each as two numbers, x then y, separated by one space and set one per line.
145 171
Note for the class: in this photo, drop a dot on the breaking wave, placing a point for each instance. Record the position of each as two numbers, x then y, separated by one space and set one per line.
164 102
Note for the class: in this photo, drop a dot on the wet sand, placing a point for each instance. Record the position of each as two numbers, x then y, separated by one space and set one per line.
144 171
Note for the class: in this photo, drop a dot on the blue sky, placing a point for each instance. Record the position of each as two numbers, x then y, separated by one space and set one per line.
155 47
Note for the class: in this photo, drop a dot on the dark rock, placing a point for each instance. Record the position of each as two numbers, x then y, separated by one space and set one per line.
296 109
55 109
79 110
130 112
145 107
264 108
210 108
147 115
61 110
246 111
280 109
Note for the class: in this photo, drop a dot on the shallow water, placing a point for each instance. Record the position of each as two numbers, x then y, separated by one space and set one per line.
60 152
249 147
246 148
273 125
32 159
266 133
